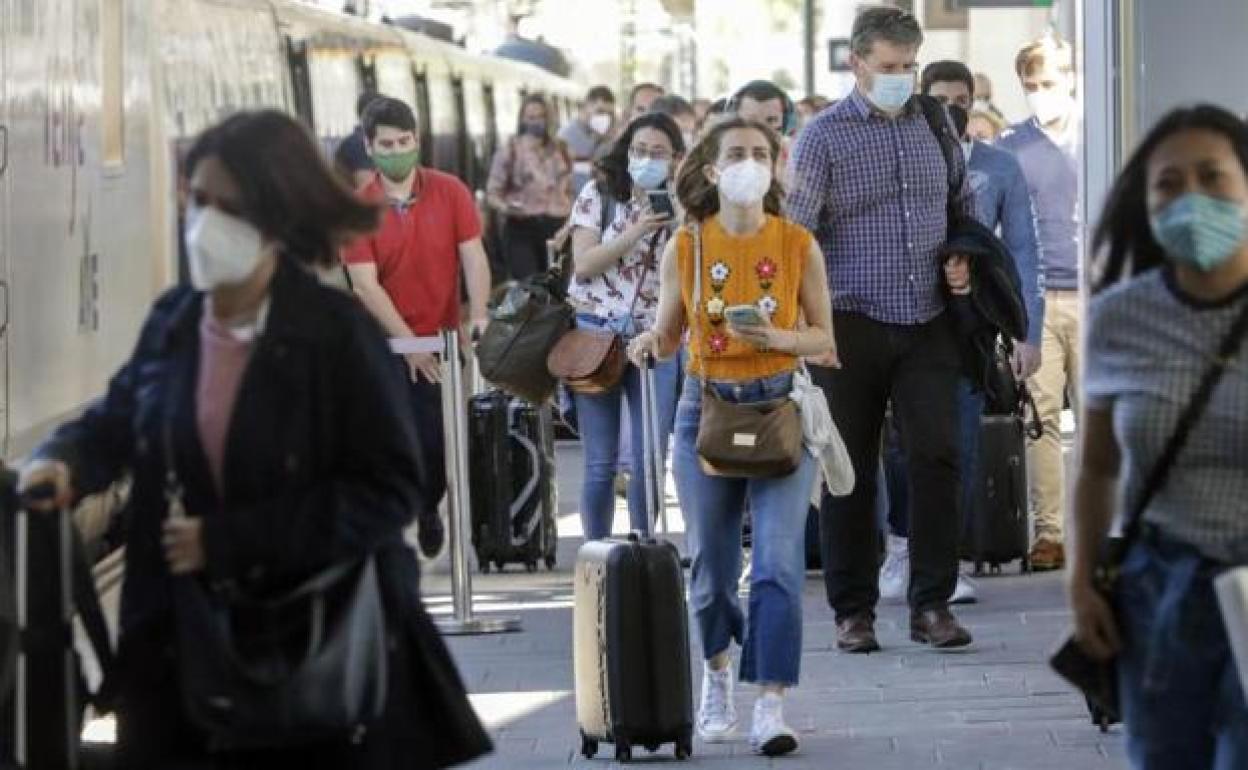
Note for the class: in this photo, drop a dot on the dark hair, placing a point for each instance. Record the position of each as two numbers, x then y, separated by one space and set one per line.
363 100
600 94
718 107
387 111
632 95
671 104
761 91
699 197
947 71
550 116
883 23
1123 244
613 166
288 191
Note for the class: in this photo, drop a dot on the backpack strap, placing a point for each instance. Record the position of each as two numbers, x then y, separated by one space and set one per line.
939 123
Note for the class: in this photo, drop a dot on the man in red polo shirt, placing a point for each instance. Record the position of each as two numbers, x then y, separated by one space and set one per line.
407 272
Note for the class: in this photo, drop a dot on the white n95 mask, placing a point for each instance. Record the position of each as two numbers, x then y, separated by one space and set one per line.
221 249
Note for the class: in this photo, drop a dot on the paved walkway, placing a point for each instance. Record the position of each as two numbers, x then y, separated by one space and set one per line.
994 707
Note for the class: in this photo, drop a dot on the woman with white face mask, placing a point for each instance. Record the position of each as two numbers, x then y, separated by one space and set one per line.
265 424
620 227
1172 299
750 255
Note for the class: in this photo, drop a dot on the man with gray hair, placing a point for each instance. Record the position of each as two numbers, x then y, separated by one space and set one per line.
870 180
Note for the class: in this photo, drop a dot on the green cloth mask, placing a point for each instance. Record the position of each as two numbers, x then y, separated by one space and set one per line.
397 166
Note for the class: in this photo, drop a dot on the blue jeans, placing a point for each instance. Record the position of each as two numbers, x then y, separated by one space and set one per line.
713 507
598 417
1182 701
970 409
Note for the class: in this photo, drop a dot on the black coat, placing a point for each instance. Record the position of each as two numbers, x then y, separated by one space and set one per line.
993 311
321 465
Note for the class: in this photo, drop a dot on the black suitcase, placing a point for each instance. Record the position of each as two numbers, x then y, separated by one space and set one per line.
512 473
630 624
998 526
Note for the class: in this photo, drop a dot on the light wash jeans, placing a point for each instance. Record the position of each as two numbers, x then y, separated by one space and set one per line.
1182 701
598 418
713 507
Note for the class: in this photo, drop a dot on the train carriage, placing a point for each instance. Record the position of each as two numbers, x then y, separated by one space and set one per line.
98 101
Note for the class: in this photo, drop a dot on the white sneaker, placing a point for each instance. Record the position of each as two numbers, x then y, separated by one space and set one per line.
717 716
895 572
769 735
965 592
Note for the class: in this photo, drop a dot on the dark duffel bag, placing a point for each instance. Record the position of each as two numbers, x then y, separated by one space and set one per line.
524 326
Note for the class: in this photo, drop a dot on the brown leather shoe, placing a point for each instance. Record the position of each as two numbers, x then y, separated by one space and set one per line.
938 628
1047 555
856 633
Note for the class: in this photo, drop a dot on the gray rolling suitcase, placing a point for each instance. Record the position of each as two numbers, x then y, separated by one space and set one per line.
631 630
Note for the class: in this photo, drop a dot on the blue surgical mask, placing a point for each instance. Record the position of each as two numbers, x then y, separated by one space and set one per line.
1200 231
648 173
891 92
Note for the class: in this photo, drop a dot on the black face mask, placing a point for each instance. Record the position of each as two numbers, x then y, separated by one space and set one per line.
960 119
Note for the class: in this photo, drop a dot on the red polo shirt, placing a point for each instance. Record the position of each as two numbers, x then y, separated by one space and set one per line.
416 249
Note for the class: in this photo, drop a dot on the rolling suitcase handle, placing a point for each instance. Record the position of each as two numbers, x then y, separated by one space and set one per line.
654 471
65 753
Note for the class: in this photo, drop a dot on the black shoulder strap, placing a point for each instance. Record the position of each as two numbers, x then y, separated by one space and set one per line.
1156 478
938 121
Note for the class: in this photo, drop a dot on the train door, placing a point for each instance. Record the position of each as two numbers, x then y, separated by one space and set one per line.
4 228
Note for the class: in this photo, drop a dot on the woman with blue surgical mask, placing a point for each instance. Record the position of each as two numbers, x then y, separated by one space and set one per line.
621 224
1170 314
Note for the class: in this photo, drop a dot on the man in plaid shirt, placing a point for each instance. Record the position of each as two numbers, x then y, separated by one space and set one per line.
870 180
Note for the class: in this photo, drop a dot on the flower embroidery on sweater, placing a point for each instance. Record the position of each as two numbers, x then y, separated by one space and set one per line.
766 270
718 342
769 305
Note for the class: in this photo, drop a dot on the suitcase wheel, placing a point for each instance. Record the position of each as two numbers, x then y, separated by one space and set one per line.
684 748
623 751
589 747
499 564
550 562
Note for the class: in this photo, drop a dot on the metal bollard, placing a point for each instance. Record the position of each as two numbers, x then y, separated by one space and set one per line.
455 427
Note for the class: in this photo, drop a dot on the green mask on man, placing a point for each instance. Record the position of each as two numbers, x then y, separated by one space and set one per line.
397 166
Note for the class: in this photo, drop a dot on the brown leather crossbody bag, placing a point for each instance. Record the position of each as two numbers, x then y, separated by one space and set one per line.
592 361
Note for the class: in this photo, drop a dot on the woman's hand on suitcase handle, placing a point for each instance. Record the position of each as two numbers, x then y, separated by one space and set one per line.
183 541
644 346
44 485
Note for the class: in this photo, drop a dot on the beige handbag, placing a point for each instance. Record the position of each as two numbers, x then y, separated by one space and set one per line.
758 440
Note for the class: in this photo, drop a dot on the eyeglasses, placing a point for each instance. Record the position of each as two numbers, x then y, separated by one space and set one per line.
656 153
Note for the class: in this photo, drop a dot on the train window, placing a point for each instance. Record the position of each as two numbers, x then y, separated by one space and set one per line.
424 119
463 150
491 121
300 80
112 83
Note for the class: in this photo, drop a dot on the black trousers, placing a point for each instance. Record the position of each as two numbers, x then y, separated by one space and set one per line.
917 368
431 436
524 244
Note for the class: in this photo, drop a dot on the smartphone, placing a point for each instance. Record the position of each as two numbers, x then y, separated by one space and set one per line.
744 315
661 202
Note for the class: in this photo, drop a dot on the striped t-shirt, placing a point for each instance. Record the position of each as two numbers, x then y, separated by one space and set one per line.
1148 347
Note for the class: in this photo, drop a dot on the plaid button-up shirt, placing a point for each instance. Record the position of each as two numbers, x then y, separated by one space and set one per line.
873 191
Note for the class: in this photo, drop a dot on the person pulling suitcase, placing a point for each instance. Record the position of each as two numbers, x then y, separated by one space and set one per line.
737 277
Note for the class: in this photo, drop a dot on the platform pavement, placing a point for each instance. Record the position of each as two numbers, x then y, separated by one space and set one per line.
996 706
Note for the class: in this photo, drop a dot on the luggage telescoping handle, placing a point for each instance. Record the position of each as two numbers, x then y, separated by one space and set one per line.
651 451
64 754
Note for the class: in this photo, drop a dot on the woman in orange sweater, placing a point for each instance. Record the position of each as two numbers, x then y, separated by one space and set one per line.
750 255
